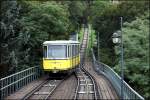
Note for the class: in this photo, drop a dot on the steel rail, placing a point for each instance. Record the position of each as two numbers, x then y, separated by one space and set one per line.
93 82
55 86
78 82
42 85
34 90
85 74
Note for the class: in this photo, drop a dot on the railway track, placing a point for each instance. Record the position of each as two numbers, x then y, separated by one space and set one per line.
65 90
86 87
44 90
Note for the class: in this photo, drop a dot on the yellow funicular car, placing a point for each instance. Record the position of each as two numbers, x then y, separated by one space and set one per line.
60 56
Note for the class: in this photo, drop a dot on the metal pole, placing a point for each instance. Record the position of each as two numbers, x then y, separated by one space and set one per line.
77 33
91 39
77 36
122 64
98 47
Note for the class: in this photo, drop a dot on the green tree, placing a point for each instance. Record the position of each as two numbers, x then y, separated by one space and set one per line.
76 10
9 30
24 27
44 21
105 20
136 43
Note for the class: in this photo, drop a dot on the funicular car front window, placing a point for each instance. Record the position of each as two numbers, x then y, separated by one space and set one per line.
56 51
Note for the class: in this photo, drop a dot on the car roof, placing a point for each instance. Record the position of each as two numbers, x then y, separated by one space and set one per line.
61 42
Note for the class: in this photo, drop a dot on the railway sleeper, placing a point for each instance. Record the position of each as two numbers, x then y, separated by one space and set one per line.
41 93
49 85
86 92
82 76
87 84
82 80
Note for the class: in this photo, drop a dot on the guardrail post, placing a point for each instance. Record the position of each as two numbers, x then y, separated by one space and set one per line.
1 85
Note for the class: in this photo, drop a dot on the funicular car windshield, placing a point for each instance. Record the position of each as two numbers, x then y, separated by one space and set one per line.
57 51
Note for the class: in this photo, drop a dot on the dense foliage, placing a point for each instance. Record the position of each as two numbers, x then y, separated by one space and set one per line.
105 18
136 43
26 24
9 36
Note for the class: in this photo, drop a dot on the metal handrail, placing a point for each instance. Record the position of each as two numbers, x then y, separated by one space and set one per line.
115 79
14 82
